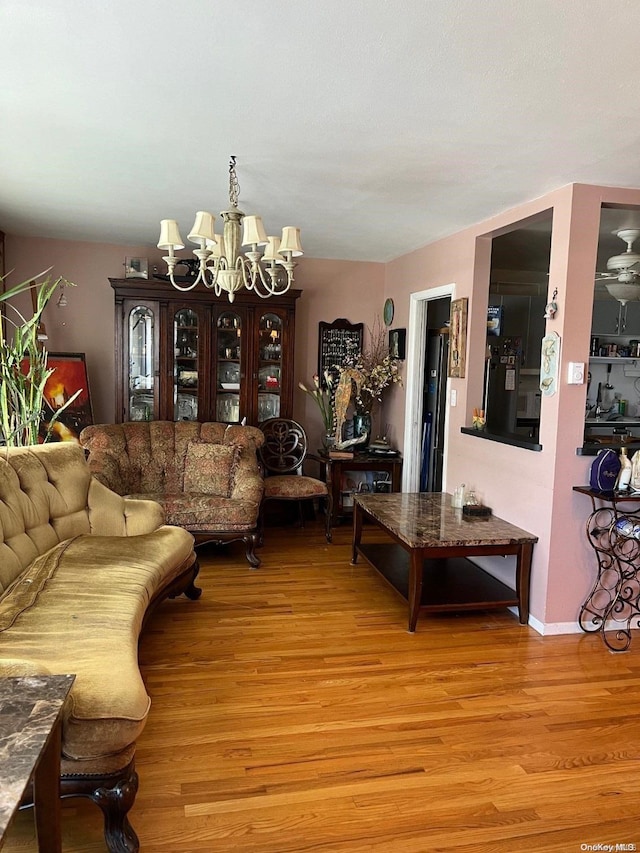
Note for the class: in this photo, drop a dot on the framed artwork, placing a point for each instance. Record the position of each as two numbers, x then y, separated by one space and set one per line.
398 343
458 338
495 316
337 341
136 268
69 376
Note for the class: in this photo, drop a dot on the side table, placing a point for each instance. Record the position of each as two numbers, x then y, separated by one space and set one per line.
335 470
30 748
613 531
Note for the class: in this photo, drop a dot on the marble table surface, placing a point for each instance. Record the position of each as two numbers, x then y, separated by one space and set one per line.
427 519
29 710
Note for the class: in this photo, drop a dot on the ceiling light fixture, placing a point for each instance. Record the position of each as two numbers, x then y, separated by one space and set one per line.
221 264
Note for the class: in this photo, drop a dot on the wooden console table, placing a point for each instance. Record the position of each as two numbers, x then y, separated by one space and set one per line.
613 531
428 561
30 748
335 468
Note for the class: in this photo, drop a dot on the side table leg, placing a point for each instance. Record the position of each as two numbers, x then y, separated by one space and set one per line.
523 575
46 794
357 532
416 571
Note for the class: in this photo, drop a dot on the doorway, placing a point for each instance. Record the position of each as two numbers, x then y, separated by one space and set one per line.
434 394
428 308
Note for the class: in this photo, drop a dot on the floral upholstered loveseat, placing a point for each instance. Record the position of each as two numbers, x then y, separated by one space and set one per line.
205 475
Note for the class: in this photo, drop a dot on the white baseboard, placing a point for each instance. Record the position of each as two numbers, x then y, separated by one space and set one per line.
553 628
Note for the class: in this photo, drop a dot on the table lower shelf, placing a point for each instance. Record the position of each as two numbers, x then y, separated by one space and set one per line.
451 584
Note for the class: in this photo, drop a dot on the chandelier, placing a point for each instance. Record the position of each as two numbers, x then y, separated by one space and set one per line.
220 263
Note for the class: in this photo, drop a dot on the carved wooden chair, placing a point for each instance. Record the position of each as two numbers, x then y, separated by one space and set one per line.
282 455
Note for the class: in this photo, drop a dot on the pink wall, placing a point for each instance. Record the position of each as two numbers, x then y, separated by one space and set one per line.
530 489
331 289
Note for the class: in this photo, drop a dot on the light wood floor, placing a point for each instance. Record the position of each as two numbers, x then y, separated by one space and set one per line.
292 711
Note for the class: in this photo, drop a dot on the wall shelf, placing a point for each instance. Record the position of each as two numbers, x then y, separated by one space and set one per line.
613 359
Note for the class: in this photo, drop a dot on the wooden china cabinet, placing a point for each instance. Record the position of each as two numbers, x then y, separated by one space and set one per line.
194 356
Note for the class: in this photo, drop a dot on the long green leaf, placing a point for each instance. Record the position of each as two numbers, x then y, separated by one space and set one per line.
24 369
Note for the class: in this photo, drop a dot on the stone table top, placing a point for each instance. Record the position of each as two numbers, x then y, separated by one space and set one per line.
29 709
427 519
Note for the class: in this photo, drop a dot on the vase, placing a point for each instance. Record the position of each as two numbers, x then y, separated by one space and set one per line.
362 425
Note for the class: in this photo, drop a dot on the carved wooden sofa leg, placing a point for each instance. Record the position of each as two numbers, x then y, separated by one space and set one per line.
115 802
193 592
252 541
114 793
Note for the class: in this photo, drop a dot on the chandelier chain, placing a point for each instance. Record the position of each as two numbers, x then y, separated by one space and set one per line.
234 186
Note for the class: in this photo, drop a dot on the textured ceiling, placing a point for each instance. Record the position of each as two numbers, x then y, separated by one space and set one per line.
377 127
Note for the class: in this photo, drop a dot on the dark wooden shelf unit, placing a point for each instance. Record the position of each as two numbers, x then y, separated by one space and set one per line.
175 350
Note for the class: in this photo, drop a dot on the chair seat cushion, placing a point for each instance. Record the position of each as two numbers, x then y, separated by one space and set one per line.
293 487
198 512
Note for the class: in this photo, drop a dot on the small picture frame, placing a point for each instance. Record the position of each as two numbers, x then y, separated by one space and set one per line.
136 268
495 320
398 343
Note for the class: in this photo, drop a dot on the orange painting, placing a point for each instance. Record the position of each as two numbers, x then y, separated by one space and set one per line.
69 375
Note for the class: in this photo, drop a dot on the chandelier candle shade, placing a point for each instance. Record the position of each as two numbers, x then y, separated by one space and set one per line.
222 264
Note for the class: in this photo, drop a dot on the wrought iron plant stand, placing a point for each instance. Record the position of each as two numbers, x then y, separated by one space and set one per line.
612 607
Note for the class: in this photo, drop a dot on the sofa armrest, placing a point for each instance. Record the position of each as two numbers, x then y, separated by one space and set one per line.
112 515
105 467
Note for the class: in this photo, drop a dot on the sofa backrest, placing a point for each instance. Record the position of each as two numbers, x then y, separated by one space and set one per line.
43 501
148 457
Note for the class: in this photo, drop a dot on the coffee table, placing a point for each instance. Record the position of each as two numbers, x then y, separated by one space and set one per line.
428 563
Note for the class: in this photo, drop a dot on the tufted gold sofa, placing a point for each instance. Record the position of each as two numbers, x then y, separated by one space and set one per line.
205 475
80 569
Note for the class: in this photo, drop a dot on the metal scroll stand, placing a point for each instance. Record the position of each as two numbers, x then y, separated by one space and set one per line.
612 608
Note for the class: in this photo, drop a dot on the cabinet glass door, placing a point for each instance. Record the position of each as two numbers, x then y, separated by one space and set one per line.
269 366
141 383
229 344
185 369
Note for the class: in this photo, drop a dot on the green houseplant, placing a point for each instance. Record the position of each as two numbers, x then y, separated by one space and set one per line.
23 365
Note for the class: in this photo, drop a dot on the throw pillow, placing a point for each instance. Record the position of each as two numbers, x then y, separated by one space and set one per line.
210 469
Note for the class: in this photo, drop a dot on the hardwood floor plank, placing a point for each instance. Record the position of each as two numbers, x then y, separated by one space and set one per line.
291 711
